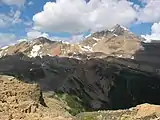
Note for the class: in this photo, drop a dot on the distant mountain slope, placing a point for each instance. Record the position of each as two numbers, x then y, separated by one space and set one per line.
39 47
117 41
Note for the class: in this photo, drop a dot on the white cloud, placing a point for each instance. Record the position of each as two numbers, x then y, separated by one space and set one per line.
156 28
76 16
150 13
71 39
155 35
76 38
18 3
6 38
35 34
10 19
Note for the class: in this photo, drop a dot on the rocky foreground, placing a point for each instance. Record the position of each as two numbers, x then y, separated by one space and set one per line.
140 112
22 101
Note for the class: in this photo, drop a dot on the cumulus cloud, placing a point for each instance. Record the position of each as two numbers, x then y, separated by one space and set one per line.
6 38
155 35
35 34
150 13
18 3
76 16
71 39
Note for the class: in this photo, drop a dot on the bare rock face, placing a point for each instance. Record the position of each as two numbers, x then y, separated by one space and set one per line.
24 101
40 47
115 42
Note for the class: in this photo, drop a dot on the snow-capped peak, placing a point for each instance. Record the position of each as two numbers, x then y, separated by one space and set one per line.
88 36
4 47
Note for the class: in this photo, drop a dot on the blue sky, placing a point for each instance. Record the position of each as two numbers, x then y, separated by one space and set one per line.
26 19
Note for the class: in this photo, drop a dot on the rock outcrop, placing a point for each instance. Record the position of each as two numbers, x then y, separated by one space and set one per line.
22 101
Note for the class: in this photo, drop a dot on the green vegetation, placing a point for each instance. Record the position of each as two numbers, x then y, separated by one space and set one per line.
89 118
74 103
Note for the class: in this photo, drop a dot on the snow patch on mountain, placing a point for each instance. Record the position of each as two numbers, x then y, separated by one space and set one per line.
88 36
22 40
1 54
94 44
35 51
118 26
124 28
5 47
86 48
96 39
65 42
115 35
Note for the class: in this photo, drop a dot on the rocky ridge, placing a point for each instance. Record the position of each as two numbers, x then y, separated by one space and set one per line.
115 42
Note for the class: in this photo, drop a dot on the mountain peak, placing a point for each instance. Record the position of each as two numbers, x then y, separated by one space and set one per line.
118 40
119 30
42 40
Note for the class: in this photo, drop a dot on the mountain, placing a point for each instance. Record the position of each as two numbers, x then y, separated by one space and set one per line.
109 70
117 41
38 47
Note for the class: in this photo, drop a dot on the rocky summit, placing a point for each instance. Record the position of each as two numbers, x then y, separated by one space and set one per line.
111 71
